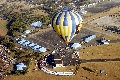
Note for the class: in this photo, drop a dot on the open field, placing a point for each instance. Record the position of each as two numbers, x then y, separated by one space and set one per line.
104 20
89 70
91 17
3 29
104 6
102 51
111 71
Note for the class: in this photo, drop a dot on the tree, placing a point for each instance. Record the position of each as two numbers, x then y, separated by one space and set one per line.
17 72
6 40
11 54
11 45
38 55
15 33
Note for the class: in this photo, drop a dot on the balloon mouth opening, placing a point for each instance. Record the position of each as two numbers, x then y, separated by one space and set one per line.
67 41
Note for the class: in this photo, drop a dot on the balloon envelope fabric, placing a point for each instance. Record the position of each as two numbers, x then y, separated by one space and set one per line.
66 24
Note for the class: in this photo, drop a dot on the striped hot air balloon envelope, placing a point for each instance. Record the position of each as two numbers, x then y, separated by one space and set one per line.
66 24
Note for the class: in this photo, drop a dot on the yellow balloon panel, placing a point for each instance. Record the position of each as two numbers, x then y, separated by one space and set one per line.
69 26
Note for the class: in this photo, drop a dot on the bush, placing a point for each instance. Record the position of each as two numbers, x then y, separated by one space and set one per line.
16 73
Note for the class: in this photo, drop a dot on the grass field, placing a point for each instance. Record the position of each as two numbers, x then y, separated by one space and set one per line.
96 52
101 52
3 29
111 73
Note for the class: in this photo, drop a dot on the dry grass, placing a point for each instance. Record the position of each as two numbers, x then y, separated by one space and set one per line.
109 38
3 29
111 68
106 37
96 16
101 52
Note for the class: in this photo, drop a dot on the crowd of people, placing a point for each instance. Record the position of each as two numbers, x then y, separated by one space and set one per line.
5 60
56 73
65 53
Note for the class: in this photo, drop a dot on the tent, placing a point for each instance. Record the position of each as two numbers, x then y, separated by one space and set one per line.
105 42
76 45
49 25
20 66
90 38
42 49
36 24
82 11
37 47
31 45
26 43
27 31
22 41
87 40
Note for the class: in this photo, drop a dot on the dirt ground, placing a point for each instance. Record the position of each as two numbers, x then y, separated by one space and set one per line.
106 20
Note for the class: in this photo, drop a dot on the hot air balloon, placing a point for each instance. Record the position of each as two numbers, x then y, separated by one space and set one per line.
66 23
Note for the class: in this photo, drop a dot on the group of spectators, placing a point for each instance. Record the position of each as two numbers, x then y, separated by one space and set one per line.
59 50
5 60
56 73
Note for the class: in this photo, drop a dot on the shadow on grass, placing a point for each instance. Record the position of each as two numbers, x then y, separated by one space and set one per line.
88 69
8 27
99 60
